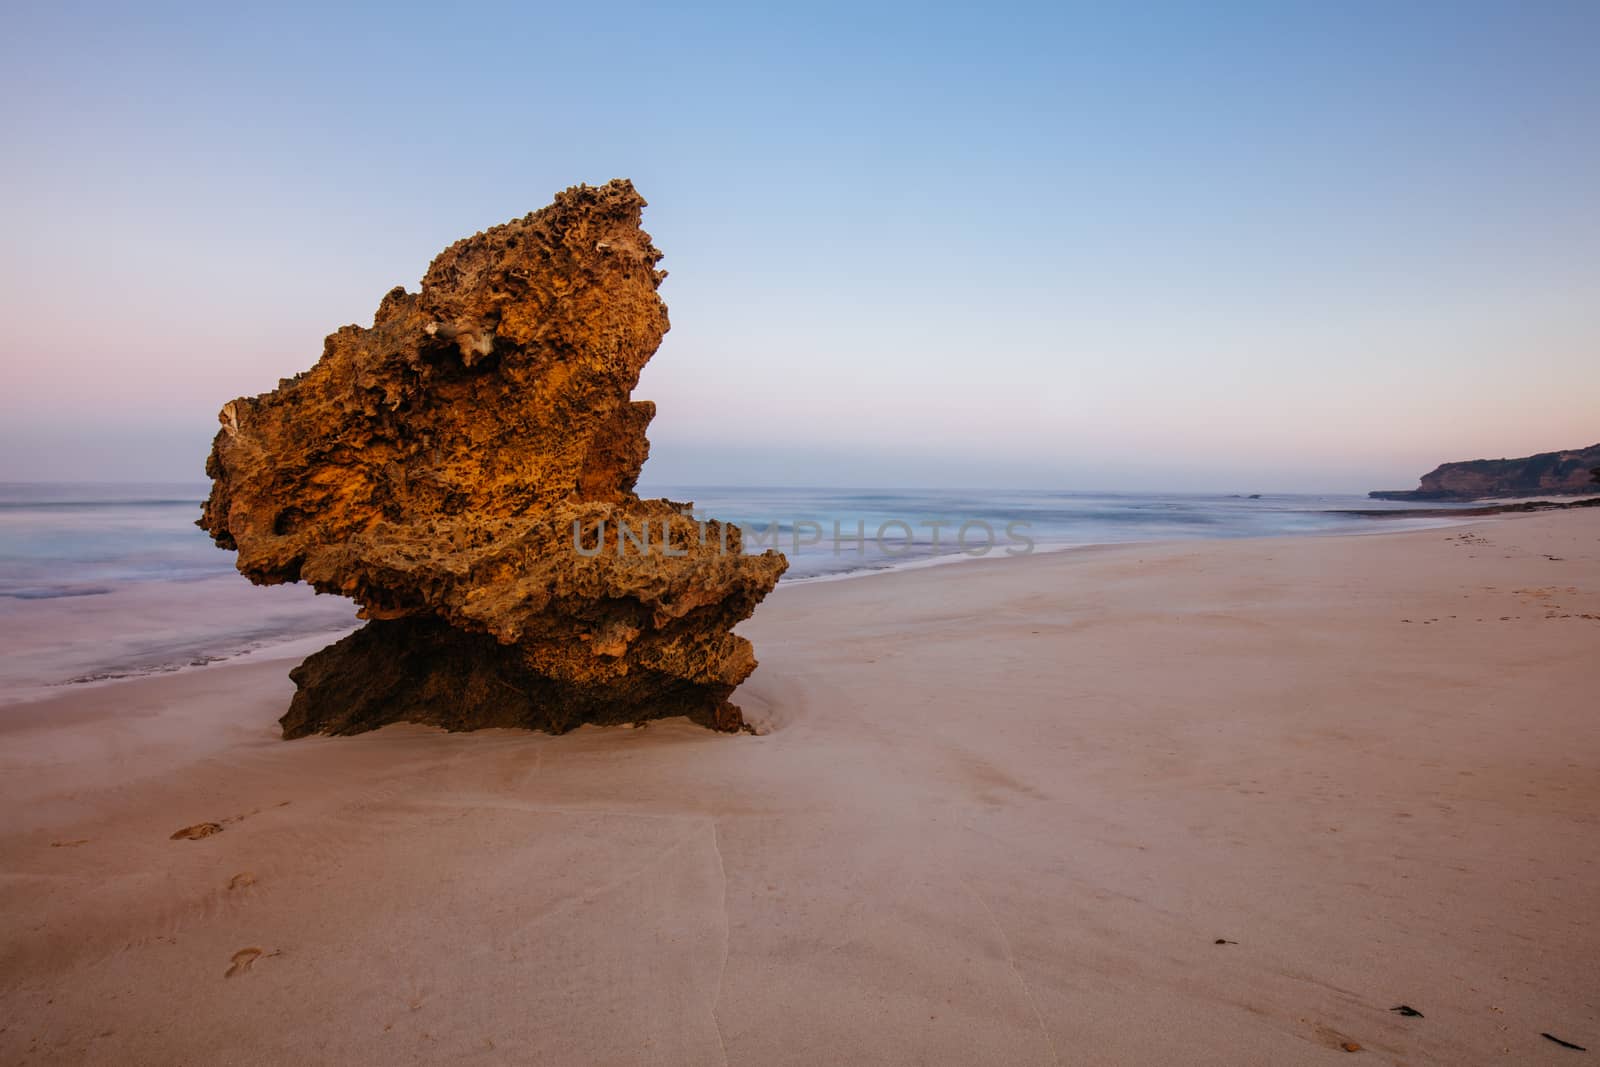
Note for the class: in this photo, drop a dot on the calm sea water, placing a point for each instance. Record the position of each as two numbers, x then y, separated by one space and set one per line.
102 581
1051 520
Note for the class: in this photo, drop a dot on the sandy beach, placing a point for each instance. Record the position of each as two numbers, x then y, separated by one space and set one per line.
1210 803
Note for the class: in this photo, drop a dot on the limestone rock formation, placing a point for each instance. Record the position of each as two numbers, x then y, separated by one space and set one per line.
464 470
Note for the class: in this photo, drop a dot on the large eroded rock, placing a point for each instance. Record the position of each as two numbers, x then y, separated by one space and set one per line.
435 467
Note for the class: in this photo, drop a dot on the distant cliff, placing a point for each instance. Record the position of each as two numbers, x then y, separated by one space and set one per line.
1577 471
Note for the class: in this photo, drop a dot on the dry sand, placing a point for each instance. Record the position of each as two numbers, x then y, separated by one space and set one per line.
1003 814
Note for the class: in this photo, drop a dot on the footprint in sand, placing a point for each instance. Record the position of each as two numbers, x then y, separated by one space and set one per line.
244 958
242 961
206 829
242 880
69 844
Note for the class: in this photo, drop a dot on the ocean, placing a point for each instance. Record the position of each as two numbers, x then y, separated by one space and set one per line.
107 581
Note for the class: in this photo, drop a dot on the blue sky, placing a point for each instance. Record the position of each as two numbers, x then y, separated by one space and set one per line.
1265 246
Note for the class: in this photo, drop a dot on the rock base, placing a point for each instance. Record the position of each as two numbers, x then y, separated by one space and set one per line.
424 671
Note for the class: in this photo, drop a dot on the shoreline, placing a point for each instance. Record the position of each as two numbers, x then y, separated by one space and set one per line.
1499 508
229 593
290 649
155 628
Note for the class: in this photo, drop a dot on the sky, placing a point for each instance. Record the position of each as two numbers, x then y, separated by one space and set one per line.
1206 247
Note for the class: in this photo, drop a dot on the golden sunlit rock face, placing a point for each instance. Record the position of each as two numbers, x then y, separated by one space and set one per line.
463 470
